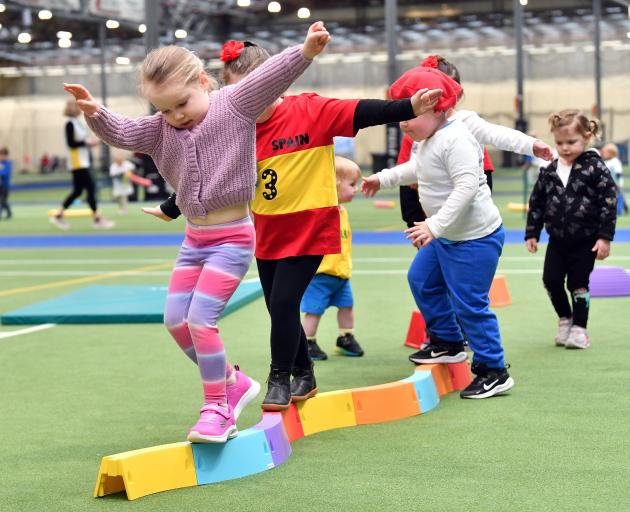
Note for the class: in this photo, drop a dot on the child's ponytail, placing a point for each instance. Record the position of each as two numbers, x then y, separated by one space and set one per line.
569 117
241 58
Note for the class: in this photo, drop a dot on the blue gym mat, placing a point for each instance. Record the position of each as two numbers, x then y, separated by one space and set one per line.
113 305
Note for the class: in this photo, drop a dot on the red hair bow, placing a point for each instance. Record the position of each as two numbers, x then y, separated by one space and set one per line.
232 50
430 62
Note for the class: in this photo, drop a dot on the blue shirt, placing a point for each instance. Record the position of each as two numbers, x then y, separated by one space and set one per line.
6 167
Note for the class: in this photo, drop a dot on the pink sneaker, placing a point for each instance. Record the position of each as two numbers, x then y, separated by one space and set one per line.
215 425
242 392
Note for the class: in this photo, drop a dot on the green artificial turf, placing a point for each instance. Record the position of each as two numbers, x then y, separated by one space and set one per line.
73 394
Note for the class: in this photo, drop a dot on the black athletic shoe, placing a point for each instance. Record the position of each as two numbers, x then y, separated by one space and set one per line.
438 351
347 345
316 353
303 385
488 382
278 395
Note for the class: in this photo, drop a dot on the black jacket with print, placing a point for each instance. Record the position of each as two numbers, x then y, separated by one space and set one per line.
585 209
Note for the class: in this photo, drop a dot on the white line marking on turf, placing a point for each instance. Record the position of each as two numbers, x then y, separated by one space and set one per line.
36 328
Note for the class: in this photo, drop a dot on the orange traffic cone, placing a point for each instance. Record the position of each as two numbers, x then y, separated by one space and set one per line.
416 335
499 294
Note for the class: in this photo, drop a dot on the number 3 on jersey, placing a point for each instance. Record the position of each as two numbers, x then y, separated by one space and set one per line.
270 186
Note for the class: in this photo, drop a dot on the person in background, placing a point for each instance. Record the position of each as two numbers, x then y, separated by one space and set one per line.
331 284
610 154
78 144
121 172
6 169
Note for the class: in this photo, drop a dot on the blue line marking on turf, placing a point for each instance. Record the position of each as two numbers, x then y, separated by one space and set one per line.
512 236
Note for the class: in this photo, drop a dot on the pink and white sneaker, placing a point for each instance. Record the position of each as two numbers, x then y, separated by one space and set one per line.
215 425
578 338
242 392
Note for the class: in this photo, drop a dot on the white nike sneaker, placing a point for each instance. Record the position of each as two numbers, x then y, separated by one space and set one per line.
578 338
564 326
103 223
442 352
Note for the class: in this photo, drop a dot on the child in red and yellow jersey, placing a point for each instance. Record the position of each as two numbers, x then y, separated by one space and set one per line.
331 284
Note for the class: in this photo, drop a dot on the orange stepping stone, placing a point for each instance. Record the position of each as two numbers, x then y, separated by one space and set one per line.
441 376
385 402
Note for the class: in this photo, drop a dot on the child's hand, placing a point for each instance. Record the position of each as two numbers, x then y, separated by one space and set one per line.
92 141
424 100
370 185
157 212
602 248
86 102
542 150
420 235
532 245
316 39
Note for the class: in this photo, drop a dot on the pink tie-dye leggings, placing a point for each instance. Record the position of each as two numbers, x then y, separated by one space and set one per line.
211 263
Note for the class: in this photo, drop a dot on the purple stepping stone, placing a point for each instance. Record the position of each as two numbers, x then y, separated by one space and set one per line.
277 438
609 282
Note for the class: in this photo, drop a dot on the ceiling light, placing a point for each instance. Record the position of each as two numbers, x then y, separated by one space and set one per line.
142 28
303 13
274 7
122 60
2 8
44 14
523 2
62 34
243 3
628 35
180 33
24 37
64 42
112 24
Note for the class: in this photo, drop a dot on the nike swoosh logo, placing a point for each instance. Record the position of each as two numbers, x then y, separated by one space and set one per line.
488 387
438 354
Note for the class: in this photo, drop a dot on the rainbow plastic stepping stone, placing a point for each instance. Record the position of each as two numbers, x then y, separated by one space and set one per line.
268 444
609 282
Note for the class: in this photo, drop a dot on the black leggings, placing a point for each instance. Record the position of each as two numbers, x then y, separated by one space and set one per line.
575 261
410 207
82 180
284 282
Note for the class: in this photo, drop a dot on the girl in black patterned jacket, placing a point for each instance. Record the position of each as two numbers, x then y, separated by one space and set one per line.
575 198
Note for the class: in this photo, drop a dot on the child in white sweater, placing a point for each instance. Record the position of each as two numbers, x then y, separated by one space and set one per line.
460 242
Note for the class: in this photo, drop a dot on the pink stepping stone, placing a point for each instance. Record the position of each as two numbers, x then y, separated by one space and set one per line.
609 282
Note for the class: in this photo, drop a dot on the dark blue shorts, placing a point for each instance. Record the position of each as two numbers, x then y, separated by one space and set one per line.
325 291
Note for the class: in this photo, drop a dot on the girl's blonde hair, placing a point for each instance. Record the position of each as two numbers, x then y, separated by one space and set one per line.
171 63
71 108
573 117
249 59
611 148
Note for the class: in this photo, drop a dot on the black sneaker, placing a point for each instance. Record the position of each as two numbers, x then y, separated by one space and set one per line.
488 382
438 351
278 395
347 345
303 385
316 353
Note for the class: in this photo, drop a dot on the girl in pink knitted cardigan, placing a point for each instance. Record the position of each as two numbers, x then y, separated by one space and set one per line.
203 143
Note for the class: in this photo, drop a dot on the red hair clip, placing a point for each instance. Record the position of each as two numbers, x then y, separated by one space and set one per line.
232 50
430 62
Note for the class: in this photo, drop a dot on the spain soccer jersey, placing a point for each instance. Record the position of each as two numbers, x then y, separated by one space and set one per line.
295 208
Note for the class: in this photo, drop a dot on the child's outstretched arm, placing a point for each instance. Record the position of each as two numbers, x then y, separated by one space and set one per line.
403 174
265 84
167 211
141 134
504 138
